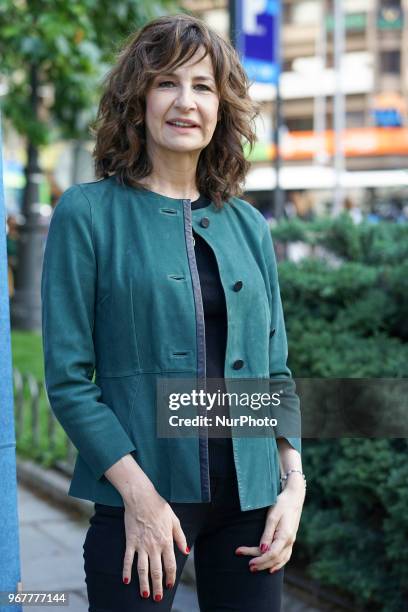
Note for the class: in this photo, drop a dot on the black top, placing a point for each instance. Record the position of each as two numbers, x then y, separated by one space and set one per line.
221 460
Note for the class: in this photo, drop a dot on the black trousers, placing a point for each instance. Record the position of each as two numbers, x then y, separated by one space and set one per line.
216 529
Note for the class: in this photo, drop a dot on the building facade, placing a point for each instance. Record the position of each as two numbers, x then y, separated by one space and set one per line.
374 81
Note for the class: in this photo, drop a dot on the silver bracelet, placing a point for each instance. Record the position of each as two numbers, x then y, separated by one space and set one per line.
285 477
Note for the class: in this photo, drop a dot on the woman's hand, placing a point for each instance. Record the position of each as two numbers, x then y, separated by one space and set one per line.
151 525
282 523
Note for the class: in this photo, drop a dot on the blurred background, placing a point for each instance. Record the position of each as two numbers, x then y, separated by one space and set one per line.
374 83
329 171
338 111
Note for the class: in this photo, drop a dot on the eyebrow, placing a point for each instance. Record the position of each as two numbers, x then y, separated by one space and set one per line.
197 78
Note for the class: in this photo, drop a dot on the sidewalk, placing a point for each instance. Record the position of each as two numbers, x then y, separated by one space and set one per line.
51 551
51 554
51 542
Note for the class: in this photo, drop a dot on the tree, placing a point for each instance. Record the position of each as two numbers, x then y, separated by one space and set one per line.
62 48
54 53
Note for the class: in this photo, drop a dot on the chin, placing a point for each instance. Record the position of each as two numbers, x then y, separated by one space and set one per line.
185 148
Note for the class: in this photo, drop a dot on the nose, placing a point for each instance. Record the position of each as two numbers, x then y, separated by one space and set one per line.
185 98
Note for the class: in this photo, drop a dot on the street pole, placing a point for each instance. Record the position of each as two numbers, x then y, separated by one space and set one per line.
9 538
232 22
277 123
339 106
26 302
321 156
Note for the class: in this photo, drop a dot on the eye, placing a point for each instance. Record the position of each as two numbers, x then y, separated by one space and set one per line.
166 83
172 83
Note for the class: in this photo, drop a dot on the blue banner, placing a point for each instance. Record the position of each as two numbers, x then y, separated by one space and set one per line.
257 28
9 536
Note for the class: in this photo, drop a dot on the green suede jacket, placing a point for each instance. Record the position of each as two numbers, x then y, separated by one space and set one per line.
122 306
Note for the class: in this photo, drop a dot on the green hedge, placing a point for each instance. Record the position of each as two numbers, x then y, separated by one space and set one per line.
346 312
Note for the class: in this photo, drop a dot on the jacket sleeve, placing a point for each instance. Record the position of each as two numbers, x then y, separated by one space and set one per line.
288 413
68 298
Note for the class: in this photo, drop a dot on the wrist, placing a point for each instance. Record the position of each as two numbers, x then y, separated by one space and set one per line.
135 488
129 479
295 482
294 479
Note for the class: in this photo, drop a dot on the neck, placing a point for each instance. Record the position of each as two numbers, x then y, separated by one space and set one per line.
169 190
173 175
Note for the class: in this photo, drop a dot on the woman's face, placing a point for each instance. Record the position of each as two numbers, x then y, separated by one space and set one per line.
189 93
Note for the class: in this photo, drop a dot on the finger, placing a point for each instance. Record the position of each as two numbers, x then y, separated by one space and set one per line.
156 573
143 573
270 557
279 566
179 537
268 532
278 544
170 566
272 570
253 551
127 564
280 560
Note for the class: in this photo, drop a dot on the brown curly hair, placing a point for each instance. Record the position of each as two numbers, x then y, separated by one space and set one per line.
162 45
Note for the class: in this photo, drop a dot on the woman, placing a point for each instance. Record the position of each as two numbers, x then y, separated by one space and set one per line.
126 296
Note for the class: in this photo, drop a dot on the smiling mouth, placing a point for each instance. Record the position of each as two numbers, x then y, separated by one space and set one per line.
181 127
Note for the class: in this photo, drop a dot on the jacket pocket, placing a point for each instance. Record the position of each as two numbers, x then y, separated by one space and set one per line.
115 339
119 393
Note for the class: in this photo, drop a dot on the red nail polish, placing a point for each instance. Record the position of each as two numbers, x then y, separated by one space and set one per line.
145 594
126 580
253 568
157 597
169 585
188 549
264 547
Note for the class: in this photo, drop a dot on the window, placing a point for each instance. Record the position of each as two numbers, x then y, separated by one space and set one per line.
390 62
355 119
300 124
394 4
